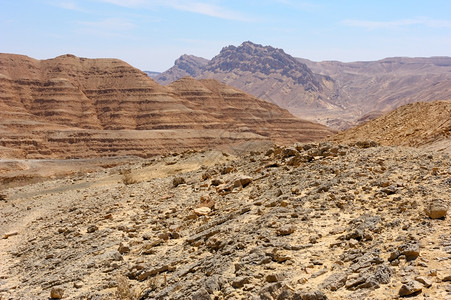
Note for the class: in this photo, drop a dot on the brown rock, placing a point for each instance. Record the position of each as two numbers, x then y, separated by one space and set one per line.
286 230
56 293
410 288
202 211
92 228
178 181
411 251
335 281
447 278
436 209
310 295
280 256
8 234
240 281
123 248
425 281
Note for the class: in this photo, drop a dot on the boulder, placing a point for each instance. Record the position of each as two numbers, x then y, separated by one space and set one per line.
436 209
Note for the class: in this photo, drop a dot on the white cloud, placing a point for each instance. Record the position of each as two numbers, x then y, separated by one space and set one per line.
207 9
106 27
69 5
127 3
371 25
198 7
300 5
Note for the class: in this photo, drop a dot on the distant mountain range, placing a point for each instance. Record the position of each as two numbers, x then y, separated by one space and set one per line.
152 74
334 93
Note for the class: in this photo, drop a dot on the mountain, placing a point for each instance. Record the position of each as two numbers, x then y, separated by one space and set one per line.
265 72
381 86
334 93
77 107
420 124
152 74
185 65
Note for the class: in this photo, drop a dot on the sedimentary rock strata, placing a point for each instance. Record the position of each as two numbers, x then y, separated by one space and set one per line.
77 107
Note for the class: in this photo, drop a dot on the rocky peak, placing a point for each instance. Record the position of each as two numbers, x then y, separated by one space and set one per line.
255 58
185 65
191 64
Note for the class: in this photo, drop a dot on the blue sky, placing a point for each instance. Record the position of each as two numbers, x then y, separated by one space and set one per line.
150 35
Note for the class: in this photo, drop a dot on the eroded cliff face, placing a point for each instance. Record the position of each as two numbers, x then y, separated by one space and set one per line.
77 107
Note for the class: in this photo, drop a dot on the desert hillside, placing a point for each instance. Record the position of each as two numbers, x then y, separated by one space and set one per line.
70 107
334 93
311 221
426 124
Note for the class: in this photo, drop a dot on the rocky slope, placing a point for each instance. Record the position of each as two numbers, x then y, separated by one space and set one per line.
381 86
76 107
312 221
266 72
331 92
426 124
185 65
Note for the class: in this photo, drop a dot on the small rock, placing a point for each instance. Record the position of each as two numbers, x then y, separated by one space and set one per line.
275 277
436 209
426 282
240 281
280 256
201 294
310 295
242 181
212 284
8 234
335 281
202 211
78 285
286 230
177 181
123 248
92 229
411 251
56 293
447 278
410 288
216 182
289 152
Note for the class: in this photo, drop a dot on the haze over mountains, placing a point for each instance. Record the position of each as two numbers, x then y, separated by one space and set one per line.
331 92
76 107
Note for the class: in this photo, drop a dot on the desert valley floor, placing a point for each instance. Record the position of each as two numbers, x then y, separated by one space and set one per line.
311 221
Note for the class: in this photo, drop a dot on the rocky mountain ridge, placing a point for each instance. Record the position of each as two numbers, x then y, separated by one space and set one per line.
331 92
76 107
266 72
